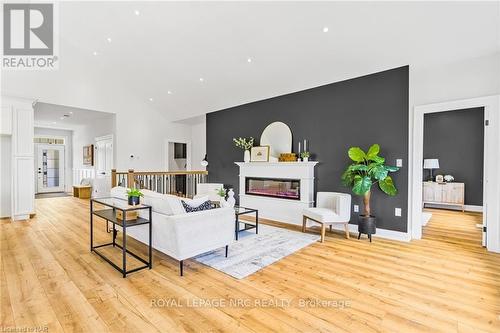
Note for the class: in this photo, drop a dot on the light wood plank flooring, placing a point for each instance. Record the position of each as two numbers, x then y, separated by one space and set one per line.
444 283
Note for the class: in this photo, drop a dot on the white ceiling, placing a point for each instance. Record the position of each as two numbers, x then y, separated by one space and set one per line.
53 116
170 45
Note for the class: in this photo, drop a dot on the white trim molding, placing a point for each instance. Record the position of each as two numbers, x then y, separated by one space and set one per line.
491 181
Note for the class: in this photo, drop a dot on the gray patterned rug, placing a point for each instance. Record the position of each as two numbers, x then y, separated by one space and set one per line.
253 252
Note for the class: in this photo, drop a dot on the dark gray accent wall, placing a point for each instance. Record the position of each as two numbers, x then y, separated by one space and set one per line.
357 112
456 138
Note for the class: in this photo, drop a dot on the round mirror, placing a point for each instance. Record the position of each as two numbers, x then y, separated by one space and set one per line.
278 136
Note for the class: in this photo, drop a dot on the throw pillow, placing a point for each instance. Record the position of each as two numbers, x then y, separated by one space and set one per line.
204 206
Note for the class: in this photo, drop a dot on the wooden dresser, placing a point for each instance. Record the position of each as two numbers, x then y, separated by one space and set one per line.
452 194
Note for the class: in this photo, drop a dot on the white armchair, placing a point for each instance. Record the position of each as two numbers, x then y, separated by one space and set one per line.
210 190
331 208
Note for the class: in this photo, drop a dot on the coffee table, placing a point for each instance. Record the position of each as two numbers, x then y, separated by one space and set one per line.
238 210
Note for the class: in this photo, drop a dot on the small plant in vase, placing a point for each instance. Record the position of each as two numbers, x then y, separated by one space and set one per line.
245 144
134 196
305 156
221 192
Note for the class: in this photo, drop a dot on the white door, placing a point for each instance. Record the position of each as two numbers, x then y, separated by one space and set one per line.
50 168
104 164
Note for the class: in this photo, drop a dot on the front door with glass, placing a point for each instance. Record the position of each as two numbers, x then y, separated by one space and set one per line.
50 168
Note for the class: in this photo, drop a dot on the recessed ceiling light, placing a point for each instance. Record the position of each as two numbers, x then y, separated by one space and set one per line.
95 53
169 92
136 12
249 60
325 29
71 112
62 118
109 39
150 99
54 122
202 79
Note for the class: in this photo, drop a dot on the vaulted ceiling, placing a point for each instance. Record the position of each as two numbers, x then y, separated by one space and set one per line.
189 58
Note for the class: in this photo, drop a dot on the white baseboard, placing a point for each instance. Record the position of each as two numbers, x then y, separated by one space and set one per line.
468 208
23 217
381 233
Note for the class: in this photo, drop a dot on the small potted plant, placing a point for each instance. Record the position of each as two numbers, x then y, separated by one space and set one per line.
221 192
305 156
134 196
367 170
245 144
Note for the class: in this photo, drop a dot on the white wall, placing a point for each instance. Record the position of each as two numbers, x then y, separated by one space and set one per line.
460 80
85 135
143 135
68 151
199 143
5 175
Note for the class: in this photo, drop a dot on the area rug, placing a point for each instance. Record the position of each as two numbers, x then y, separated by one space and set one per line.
253 252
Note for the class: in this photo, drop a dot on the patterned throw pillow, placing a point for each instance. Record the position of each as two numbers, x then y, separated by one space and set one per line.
204 206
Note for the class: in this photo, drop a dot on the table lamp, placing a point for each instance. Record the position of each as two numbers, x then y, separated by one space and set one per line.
431 164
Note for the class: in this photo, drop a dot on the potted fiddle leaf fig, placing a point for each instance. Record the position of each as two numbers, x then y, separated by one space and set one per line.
367 170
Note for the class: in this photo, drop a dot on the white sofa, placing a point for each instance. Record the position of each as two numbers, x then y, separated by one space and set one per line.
178 234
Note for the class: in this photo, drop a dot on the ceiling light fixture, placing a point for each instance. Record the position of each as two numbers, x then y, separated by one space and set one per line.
202 79
150 99
109 39
325 29
54 122
95 53
62 118
71 112
249 60
169 92
136 12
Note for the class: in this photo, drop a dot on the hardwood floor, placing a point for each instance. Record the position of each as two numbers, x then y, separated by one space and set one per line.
445 282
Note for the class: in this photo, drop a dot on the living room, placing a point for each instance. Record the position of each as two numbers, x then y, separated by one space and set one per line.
271 171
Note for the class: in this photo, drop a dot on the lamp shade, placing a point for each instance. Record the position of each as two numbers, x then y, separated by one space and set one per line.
431 163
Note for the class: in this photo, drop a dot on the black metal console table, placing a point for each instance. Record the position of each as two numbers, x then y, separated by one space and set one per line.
109 214
248 224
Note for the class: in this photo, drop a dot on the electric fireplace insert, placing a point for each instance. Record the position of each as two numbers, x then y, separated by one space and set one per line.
273 187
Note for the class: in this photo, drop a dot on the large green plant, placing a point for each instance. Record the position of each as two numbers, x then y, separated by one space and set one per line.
367 170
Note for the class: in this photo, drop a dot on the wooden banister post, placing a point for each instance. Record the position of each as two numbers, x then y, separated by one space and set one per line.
130 178
113 178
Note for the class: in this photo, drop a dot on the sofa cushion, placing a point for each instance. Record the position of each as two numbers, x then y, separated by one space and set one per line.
163 203
119 192
196 201
204 206
321 214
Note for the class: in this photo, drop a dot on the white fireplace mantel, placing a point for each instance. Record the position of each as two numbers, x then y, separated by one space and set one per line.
279 209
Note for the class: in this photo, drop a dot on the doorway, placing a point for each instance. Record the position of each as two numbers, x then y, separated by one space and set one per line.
103 164
491 186
178 160
50 168
453 162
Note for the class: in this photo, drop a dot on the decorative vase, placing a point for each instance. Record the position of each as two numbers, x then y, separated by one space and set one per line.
231 201
305 159
222 202
133 201
246 156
